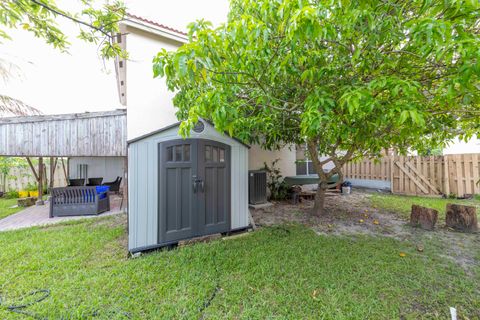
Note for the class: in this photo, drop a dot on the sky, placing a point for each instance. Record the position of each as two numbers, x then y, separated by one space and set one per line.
80 80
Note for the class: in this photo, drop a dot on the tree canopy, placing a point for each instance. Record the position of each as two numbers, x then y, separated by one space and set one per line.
97 24
350 78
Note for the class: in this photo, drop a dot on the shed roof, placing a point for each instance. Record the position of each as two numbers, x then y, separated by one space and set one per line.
89 134
176 125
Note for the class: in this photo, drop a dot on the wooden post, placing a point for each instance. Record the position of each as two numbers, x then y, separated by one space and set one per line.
68 169
64 171
53 165
32 168
45 177
446 176
40 182
391 173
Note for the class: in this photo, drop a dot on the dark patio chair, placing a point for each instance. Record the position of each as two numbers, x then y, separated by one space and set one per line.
114 185
94 181
76 182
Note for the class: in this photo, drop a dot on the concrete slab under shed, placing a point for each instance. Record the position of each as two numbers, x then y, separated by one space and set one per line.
260 206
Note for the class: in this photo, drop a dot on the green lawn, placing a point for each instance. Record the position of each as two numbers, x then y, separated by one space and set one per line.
403 204
5 205
271 273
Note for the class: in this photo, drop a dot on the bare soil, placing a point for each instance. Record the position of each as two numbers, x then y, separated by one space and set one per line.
350 215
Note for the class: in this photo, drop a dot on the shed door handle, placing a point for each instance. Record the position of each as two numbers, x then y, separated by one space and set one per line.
197 182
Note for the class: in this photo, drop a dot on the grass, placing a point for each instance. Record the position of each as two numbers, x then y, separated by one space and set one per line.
403 204
5 209
272 273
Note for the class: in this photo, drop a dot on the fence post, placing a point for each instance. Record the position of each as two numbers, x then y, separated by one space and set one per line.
391 173
446 175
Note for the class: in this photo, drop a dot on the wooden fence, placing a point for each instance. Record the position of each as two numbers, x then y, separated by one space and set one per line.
20 177
432 175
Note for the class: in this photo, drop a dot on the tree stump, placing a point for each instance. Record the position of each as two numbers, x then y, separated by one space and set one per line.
462 218
424 218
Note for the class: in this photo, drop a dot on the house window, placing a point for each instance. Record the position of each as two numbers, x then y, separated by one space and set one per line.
305 167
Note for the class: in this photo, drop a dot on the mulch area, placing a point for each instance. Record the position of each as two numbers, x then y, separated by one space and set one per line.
343 214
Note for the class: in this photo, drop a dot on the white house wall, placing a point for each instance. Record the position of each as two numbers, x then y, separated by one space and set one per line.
258 156
149 103
107 167
143 184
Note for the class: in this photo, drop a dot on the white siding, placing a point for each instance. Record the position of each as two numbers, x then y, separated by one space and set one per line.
143 184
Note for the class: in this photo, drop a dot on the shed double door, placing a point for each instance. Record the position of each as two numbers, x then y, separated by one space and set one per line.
194 189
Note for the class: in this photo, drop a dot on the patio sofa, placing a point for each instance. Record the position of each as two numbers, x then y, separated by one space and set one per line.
79 201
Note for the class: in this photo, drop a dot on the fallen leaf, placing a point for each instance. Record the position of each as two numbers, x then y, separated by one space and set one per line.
376 221
402 254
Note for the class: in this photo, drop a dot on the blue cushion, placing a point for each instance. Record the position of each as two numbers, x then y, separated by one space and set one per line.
102 191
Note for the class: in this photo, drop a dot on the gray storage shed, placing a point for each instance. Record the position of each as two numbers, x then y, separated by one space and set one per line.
184 188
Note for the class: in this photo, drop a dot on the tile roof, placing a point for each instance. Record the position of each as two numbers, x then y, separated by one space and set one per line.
156 24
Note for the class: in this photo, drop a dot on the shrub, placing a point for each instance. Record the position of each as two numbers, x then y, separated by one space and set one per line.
277 187
11 194
31 187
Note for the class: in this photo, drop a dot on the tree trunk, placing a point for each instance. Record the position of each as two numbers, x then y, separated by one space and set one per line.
422 217
338 161
319 202
462 218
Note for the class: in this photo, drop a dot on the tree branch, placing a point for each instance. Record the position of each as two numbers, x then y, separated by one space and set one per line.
58 12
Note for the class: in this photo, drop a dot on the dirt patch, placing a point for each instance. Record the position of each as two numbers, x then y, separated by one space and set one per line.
354 215
351 214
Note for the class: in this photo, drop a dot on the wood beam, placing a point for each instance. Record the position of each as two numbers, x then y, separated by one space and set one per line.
33 169
40 181
64 171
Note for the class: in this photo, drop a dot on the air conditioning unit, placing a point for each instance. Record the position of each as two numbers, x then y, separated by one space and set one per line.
257 187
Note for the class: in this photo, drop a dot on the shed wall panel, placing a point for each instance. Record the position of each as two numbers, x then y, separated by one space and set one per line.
144 177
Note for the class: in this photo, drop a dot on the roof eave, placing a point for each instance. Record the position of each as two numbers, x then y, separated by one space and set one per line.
150 28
